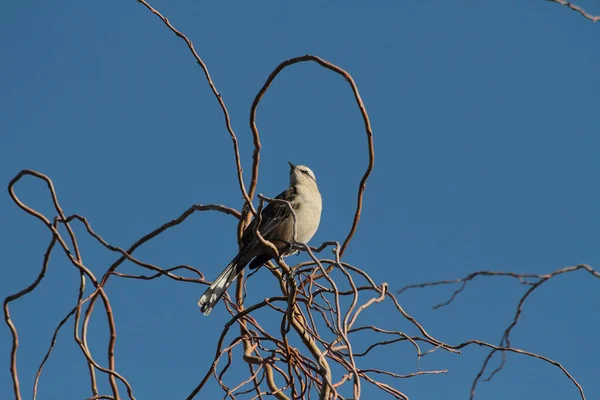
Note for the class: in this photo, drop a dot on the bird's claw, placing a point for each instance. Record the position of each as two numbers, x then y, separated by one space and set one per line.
290 275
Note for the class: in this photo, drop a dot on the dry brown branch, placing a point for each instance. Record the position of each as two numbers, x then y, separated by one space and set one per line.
505 341
216 93
84 273
534 281
523 352
13 328
319 315
76 260
593 18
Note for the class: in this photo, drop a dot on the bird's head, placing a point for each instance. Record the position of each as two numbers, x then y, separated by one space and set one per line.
301 174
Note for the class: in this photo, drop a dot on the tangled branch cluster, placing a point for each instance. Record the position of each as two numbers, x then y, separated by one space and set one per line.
311 354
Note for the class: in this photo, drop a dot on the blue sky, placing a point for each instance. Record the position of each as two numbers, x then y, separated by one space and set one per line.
487 130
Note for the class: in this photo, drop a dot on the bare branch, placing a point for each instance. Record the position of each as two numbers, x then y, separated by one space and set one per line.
593 18
321 304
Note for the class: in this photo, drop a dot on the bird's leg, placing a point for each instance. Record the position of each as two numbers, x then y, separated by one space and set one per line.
294 249
290 275
297 249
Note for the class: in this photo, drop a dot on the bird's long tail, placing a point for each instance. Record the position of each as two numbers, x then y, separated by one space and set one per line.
215 291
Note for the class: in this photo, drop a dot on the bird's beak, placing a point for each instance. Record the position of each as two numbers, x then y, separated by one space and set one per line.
292 166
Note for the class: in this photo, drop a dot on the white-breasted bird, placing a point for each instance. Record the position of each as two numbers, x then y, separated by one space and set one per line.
277 226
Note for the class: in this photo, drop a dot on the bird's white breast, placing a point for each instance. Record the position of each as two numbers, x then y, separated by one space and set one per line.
308 214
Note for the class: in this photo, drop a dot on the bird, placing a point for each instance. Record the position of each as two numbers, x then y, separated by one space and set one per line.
276 226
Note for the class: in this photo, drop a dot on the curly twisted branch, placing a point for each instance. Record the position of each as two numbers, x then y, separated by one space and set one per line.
311 301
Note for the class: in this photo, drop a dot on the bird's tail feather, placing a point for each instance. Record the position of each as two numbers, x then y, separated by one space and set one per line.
215 291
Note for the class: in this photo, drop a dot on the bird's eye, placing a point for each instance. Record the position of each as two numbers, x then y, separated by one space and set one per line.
305 172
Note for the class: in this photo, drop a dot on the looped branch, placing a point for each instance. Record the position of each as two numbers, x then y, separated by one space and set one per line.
363 112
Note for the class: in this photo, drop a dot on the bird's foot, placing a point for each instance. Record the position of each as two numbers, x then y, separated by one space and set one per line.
289 276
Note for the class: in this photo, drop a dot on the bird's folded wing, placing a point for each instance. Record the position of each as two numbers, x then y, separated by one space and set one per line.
271 216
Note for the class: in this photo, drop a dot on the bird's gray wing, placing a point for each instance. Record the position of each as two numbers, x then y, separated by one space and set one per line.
271 216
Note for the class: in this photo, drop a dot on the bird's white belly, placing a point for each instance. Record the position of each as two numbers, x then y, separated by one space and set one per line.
310 217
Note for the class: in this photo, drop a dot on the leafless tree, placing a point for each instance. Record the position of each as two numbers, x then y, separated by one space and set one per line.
311 354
